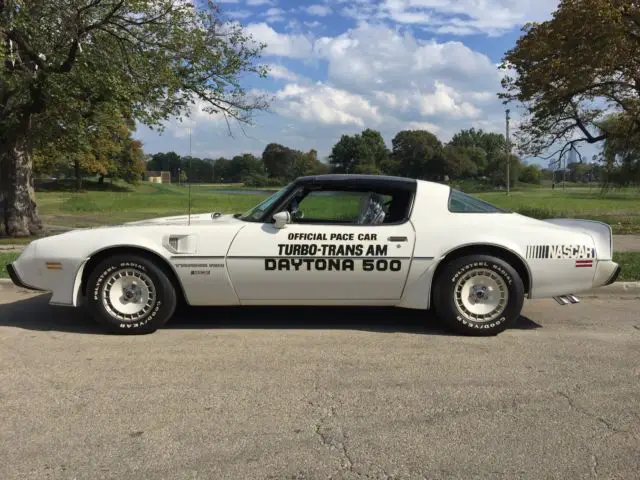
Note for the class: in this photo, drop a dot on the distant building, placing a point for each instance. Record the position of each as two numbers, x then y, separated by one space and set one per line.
157 177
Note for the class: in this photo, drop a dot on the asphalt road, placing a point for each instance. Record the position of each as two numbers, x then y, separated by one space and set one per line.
320 393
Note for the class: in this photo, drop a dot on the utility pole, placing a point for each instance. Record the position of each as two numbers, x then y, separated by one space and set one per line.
508 154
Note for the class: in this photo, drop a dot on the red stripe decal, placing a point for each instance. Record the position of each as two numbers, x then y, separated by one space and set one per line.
584 263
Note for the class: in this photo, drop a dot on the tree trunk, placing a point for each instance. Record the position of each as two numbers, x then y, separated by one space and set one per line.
101 180
78 174
20 212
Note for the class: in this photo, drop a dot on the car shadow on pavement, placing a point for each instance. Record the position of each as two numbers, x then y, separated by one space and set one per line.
35 313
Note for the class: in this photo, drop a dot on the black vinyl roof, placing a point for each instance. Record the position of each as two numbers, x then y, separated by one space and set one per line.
358 181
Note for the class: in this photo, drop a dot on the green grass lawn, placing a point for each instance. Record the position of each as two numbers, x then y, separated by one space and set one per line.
620 209
6 257
145 201
630 262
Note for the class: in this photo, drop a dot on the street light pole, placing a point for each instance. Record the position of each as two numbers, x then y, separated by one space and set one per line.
508 153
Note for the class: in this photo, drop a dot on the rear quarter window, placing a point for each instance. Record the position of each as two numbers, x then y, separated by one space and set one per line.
462 203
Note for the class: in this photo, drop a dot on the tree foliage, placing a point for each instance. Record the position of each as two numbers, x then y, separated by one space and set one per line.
572 71
154 57
365 152
96 143
621 151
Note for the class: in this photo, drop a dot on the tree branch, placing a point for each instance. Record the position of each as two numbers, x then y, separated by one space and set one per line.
73 50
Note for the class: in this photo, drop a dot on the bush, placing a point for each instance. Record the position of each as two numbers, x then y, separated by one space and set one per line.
540 213
263 181
472 186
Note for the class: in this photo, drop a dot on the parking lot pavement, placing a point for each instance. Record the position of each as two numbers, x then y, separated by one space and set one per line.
320 393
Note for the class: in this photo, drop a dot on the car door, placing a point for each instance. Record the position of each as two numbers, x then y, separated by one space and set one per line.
325 257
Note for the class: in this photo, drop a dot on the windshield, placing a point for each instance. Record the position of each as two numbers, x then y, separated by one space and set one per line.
255 213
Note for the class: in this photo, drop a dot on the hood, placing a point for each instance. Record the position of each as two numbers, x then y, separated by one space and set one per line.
196 219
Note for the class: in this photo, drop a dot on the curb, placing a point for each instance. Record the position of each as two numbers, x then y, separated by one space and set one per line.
626 289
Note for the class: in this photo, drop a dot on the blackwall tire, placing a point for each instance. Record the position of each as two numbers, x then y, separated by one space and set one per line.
129 294
478 295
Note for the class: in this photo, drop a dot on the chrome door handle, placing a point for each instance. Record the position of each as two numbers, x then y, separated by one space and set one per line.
397 239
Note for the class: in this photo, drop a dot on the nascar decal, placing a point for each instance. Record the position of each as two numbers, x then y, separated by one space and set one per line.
561 252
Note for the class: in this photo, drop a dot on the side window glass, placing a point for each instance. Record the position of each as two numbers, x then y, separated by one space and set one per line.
462 203
358 208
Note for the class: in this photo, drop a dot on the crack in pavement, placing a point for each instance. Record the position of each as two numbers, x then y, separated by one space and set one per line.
594 465
592 416
334 437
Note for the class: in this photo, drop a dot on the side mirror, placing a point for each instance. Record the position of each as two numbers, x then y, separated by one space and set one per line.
282 218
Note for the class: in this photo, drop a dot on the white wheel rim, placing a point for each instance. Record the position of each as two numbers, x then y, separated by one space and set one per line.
128 295
481 295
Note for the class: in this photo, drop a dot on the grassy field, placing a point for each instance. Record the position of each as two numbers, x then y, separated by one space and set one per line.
118 204
630 262
6 257
620 209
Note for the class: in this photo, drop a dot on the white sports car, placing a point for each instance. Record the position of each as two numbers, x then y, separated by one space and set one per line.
327 240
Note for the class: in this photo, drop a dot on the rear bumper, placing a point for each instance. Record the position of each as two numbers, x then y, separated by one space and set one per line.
615 276
17 281
606 273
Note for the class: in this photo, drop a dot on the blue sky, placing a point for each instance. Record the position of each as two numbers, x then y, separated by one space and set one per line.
340 66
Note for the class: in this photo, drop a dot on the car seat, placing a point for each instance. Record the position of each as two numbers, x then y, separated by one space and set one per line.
371 210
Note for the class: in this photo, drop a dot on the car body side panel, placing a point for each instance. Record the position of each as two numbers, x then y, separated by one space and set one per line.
440 232
70 252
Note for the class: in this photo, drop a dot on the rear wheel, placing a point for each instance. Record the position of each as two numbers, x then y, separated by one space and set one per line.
129 294
478 295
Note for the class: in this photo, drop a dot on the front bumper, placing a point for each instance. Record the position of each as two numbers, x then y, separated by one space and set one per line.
15 278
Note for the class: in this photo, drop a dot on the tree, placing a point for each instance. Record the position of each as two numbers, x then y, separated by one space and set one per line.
530 174
570 71
621 151
278 161
345 154
483 147
458 162
418 154
243 166
361 153
497 169
96 142
155 57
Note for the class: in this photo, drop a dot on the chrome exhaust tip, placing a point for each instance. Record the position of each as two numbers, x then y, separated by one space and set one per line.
567 299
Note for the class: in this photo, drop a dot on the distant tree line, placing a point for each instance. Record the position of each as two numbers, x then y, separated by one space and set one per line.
470 155
473 158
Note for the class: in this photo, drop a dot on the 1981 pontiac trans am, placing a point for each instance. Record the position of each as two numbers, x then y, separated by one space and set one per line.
327 240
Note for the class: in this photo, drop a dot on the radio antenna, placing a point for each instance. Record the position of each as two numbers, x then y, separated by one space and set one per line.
188 182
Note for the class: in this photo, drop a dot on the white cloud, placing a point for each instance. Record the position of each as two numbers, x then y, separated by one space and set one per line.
274 15
459 17
375 75
318 10
280 44
282 73
380 58
447 101
239 14
260 2
325 104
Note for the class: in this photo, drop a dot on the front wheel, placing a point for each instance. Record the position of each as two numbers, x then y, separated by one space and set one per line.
129 294
478 295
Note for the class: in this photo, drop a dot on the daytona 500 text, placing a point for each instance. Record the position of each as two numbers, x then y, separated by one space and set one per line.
333 264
